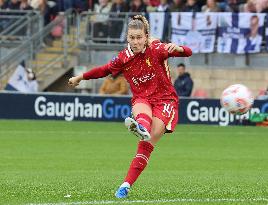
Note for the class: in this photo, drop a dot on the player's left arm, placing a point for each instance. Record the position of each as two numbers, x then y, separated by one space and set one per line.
178 51
165 51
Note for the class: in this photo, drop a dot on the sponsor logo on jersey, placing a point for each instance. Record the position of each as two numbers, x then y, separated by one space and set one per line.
143 79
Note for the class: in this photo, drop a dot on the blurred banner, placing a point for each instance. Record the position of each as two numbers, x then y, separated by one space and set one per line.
240 32
22 80
196 30
158 24
106 108
266 32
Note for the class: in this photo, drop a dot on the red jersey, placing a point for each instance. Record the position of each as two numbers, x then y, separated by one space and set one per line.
147 72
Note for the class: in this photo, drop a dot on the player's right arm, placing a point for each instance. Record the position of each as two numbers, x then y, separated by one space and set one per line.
94 73
113 67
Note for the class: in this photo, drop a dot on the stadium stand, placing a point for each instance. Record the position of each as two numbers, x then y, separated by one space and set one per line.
74 39
49 56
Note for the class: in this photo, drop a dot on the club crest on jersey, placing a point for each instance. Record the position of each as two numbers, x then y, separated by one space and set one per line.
148 62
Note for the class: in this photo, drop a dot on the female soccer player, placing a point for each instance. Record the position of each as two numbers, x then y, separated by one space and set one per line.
154 102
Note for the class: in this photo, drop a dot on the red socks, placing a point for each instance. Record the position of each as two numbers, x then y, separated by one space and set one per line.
145 121
143 153
139 162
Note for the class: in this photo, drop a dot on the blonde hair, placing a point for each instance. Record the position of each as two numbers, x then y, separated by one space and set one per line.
139 22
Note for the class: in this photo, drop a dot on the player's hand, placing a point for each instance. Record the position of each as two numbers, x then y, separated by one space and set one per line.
74 81
173 47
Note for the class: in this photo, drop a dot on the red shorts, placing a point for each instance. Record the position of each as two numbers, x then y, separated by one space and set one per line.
165 110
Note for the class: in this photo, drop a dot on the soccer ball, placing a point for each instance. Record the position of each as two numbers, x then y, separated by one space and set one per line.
237 99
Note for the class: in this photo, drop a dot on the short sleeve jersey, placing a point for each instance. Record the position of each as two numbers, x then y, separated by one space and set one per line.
147 72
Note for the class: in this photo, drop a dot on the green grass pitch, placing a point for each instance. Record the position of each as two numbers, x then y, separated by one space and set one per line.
43 161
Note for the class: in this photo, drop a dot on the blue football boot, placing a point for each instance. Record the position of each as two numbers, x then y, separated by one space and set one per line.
122 191
137 129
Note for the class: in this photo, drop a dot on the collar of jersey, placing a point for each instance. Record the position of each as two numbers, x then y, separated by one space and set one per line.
129 50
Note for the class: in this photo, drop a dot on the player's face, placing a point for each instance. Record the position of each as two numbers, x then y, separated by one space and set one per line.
137 39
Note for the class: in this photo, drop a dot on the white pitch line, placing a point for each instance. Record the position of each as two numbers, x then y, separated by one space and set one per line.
58 132
105 132
159 201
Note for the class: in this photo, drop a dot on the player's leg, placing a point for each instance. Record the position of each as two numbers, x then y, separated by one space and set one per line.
142 157
161 124
158 130
165 119
136 167
141 124
145 148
